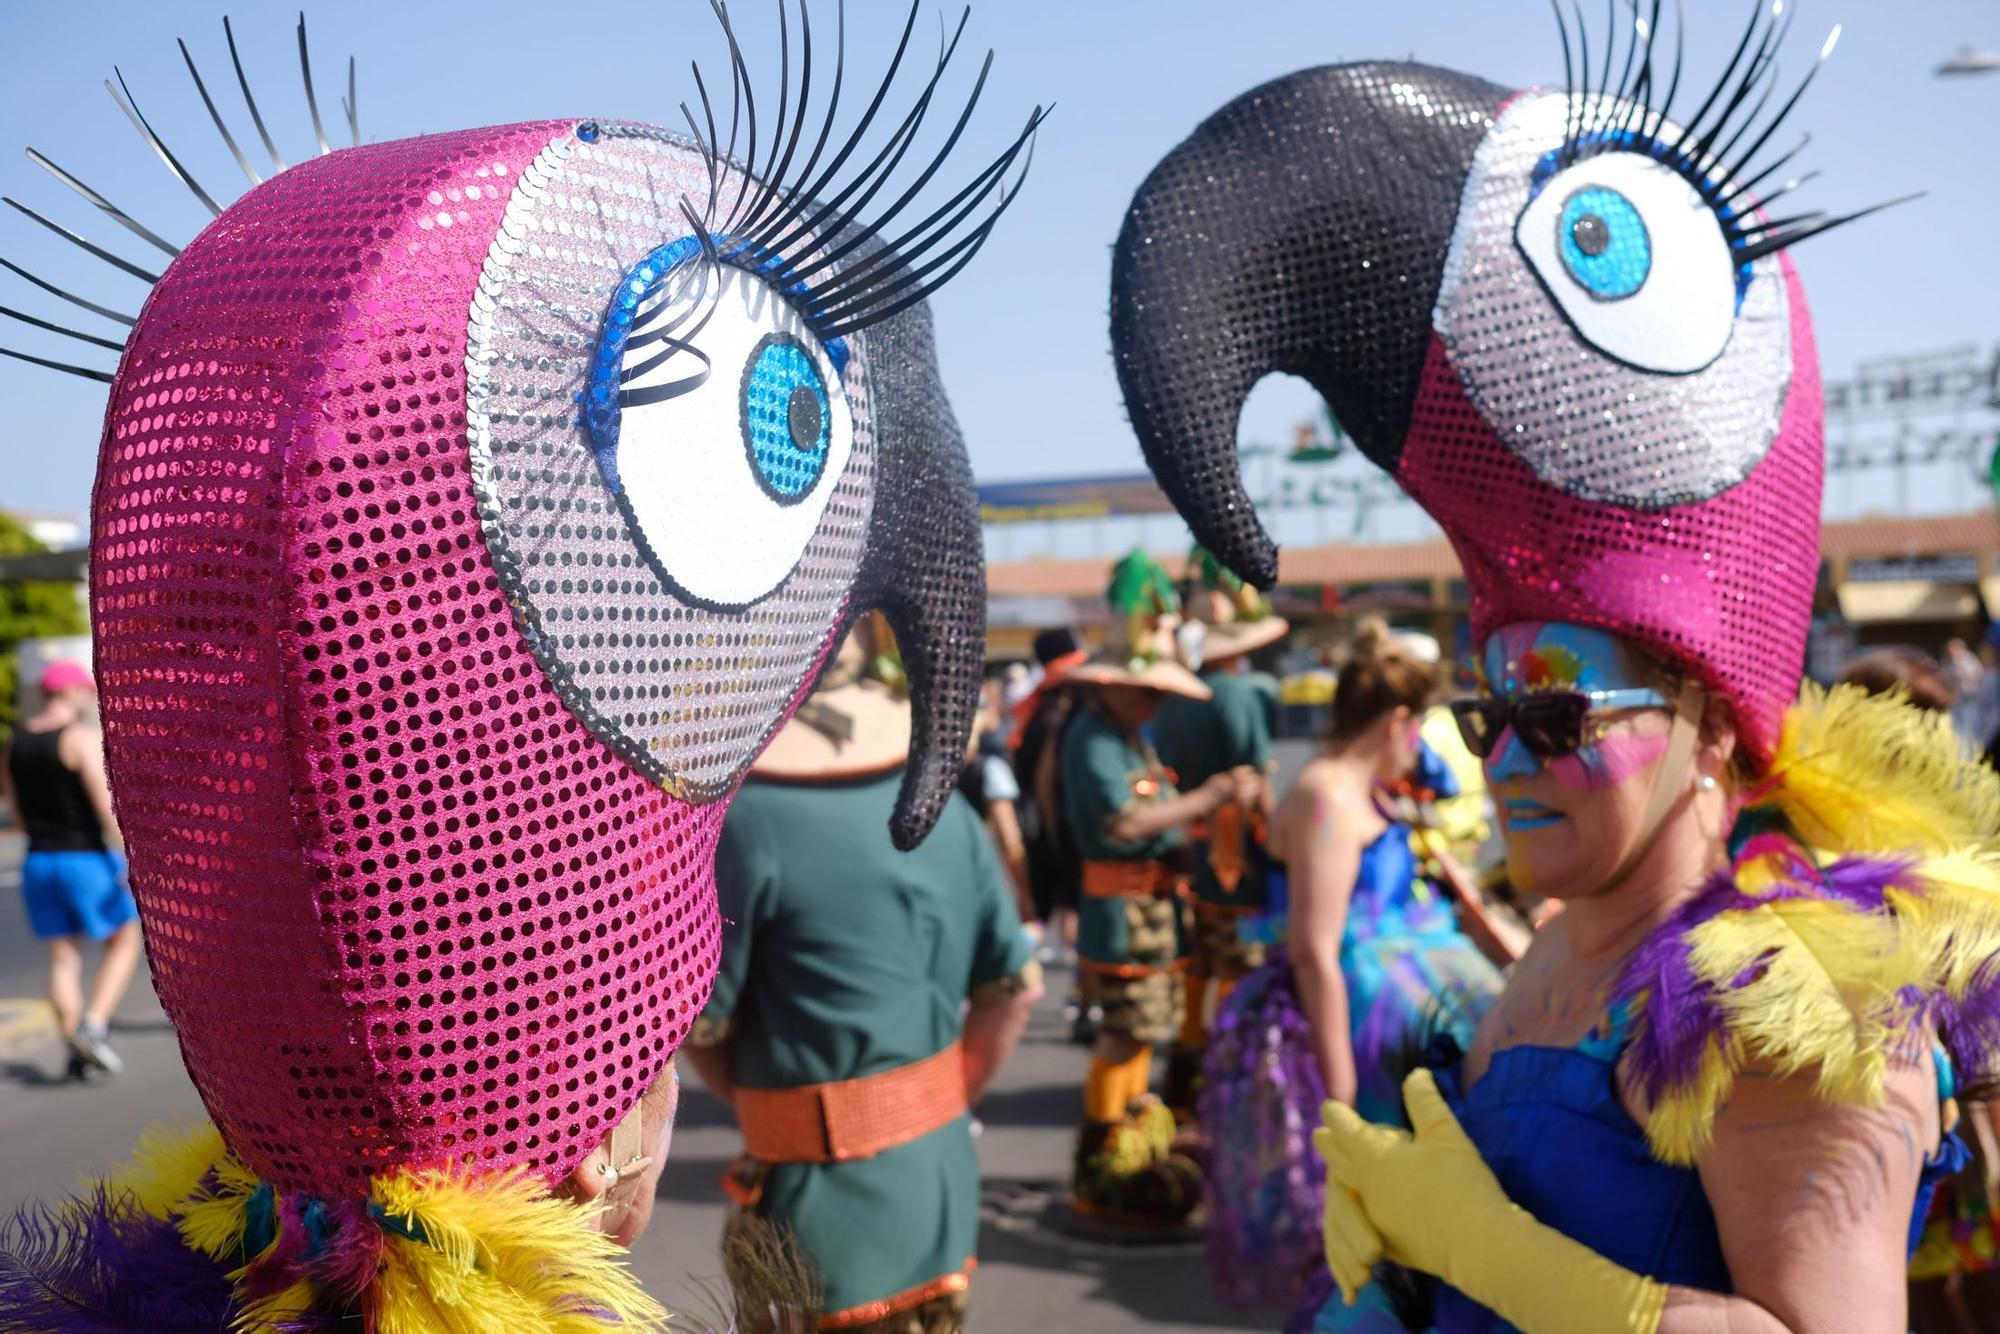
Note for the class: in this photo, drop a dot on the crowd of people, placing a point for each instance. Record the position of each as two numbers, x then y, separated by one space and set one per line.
537 604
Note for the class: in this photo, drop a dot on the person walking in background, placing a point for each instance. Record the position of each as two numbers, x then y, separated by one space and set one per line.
74 875
1376 967
1199 739
1054 872
1128 823
865 1000
988 782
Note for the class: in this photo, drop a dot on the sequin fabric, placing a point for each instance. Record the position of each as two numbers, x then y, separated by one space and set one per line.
1292 232
687 693
1584 421
402 905
1306 228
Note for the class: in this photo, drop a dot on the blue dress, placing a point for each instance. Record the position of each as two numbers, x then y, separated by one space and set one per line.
1411 975
1550 1124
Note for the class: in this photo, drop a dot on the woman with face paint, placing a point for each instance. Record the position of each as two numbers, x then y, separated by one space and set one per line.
1375 966
1718 1087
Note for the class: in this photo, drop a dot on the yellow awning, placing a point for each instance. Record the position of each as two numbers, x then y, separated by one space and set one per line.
1892 600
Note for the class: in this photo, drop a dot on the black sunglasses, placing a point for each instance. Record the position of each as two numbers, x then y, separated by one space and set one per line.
1548 724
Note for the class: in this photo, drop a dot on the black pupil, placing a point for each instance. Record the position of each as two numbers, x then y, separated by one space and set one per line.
1591 235
803 415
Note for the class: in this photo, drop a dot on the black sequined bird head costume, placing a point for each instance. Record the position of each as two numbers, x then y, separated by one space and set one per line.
1562 319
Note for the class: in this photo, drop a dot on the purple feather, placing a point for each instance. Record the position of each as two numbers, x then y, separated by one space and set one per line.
1678 1020
105 1265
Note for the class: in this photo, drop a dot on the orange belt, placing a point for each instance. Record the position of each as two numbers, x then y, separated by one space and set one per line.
1180 965
1208 909
853 1118
1129 880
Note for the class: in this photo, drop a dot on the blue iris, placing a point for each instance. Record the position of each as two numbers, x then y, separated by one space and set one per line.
787 420
1604 243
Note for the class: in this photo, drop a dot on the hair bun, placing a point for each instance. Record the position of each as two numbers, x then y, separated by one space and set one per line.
1373 640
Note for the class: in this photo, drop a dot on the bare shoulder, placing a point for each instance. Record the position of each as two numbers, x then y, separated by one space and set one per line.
1813 1198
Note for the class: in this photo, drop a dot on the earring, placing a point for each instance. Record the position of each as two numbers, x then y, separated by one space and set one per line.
1706 783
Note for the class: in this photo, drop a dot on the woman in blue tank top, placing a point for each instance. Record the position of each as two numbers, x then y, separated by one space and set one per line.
1577 1169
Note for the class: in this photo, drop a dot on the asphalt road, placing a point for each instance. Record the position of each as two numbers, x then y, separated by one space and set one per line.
1029 1278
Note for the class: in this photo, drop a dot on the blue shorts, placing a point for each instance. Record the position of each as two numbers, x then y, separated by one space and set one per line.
76 893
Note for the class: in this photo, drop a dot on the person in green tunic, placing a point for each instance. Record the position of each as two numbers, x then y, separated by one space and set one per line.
1199 739
1128 822
835 1024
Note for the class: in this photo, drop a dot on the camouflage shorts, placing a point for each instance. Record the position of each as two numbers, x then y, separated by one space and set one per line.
1216 948
1146 1008
1144 1005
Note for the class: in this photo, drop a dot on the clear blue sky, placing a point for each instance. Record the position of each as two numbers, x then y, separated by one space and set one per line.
1022 332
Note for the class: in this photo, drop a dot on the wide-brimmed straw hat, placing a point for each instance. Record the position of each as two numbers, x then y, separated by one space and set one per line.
856 721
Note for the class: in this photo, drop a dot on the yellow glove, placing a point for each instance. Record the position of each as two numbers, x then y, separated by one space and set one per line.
1427 1201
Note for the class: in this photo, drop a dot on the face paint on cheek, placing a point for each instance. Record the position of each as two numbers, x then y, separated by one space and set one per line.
1603 766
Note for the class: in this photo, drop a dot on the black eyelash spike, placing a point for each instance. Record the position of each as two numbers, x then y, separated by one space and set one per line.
740 76
839 252
804 235
352 106
84 371
965 249
766 172
1716 146
118 215
1750 254
1612 113
776 175
832 103
1743 160
870 179
87 247
1569 76
1650 127
256 118
803 194
130 106
1750 183
62 329
216 116
312 103
1707 156
71 297
913 243
1721 84
1762 74
1635 94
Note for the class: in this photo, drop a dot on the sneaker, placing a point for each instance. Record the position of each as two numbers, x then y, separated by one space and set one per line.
78 1069
90 1042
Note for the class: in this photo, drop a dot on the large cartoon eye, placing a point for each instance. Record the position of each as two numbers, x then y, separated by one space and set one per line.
1636 259
696 353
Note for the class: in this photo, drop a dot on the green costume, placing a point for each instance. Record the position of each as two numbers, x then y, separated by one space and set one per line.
1201 738
843 958
1102 774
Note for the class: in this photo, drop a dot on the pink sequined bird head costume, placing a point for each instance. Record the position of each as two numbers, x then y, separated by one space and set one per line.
1559 318
471 511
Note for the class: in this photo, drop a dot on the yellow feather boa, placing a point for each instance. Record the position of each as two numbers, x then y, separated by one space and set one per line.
1794 975
459 1253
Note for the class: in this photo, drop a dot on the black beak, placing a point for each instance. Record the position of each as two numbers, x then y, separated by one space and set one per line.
1302 228
926 567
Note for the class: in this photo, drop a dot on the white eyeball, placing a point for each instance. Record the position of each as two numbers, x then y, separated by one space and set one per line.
723 481
1636 259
